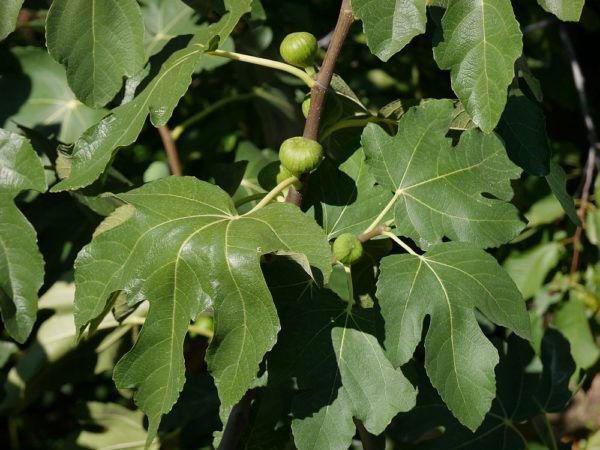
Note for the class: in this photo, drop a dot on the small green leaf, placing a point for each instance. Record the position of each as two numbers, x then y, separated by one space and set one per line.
99 42
186 249
572 322
567 10
390 25
557 180
480 44
439 189
530 268
447 283
523 128
9 12
95 149
21 264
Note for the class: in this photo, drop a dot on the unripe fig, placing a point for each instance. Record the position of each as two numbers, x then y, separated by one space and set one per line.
300 155
347 249
299 49
284 174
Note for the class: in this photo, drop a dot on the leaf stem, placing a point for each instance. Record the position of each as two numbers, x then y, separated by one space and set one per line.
274 193
171 149
383 213
348 271
354 123
277 65
401 243
249 199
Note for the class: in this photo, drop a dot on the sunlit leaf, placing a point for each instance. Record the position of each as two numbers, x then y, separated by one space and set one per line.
480 44
99 43
186 249
447 283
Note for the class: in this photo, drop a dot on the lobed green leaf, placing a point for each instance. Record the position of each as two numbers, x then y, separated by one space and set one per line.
447 284
480 44
185 249
439 190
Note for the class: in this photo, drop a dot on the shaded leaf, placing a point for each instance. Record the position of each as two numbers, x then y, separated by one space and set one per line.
40 98
164 20
346 200
333 354
523 128
447 283
439 189
390 25
518 385
21 264
7 349
186 249
481 42
557 180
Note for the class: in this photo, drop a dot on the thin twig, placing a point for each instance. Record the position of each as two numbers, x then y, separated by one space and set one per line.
171 149
592 136
237 423
539 25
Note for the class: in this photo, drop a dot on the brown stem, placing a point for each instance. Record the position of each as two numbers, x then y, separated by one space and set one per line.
171 149
319 91
592 135
365 436
371 234
237 423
